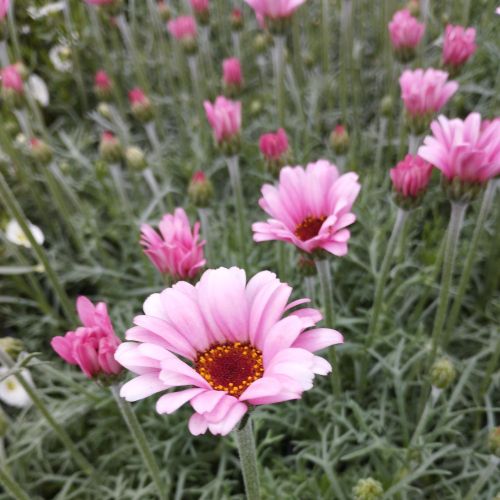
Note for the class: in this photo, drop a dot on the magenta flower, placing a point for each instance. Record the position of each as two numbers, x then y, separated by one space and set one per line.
4 8
91 346
405 31
274 146
411 176
226 344
459 45
182 28
102 81
464 149
274 9
224 116
425 92
310 208
11 79
232 75
176 251
200 6
137 96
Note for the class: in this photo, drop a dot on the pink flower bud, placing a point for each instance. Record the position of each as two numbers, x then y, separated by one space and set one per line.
200 190
200 6
182 27
4 9
406 33
176 251
459 45
140 105
236 19
411 176
224 116
232 75
275 9
339 140
11 79
93 345
274 146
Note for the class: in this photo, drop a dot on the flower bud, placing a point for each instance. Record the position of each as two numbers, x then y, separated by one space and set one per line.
236 20
494 441
442 373
255 107
260 43
339 140
183 29
368 489
135 158
40 151
104 110
201 10
12 346
140 105
200 190
232 76
110 148
103 86
164 10
12 86
413 7
386 106
275 150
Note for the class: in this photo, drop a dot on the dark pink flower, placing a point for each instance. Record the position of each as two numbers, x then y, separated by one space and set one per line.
459 45
102 81
224 117
4 8
92 346
182 27
11 79
411 176
405 30
200 6
274 146
232 74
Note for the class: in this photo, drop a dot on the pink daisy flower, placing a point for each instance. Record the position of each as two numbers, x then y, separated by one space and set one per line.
226 344
459 45
310 208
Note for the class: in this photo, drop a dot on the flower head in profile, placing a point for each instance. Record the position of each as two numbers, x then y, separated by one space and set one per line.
11 79
275 150
405 32
177 250
224 116
223 345
310 208
275 9
182 27
140 105
11 390
231 73
424 93
4 9
410 179
459 45
91 346
15 234
467 151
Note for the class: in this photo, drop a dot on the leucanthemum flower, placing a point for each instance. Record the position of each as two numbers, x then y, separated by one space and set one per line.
15 234
12 392
226 345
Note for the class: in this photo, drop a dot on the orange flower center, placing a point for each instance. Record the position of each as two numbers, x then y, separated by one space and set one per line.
309 227
230 367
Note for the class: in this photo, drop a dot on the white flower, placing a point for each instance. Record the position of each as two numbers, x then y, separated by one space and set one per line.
15 234
38 89
12 392
59 56
50 8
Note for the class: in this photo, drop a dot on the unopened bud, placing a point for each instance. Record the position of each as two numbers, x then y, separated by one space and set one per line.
140 105
104 110
22 70
255 107
494 441
200 190
103 86
368 489
339 139
164 10
40 151
110 148
442 373
12 346
260 43
135 158
236 20
386 106
414 7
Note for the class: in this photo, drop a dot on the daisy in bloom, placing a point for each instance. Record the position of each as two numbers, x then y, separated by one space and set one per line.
91 346
15 234
226 344
467 150
177 251
12 392
310 208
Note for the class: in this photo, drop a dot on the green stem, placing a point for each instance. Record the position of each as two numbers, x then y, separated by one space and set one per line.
248 458
297 51
482 479
63 436
325 280
281 260
488 197
399 224
204 214
140 440
431 401
413 143
234 174
279 74
456 220
17 213
12 486
325 36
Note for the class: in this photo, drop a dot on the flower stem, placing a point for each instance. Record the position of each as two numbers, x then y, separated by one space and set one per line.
140 440
82 462
204 214
12 486
248 458
456 220
325 280
281 260
399 224
325 35
413 143
234 174
4 55
279 74
488 198
17 213
431 401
